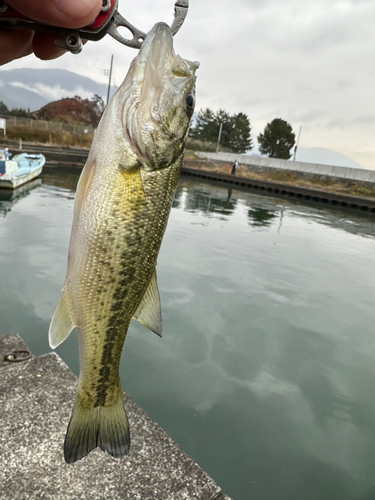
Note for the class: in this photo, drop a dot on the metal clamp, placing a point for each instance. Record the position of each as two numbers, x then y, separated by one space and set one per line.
180 11
69 40
120 21
107 21
14 357
218 496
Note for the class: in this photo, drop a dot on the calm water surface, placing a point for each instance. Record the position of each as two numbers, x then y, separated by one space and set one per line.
266 371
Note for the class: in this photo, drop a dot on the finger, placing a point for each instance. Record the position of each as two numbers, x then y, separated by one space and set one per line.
64 13
15 44
44 47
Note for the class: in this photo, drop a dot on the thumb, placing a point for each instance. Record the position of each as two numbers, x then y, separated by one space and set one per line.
62 13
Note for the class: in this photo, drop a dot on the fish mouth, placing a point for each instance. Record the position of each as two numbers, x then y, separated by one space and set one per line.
157 45
153 61
154 87
157 60
156 57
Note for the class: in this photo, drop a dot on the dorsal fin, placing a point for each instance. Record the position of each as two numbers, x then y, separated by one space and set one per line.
149 310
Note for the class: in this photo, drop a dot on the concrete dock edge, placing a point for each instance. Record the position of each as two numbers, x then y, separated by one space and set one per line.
360 203
36 397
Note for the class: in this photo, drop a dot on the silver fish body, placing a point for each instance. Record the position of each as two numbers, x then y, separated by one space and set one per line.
122 205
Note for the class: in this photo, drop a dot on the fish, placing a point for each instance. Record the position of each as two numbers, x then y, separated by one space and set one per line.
123 200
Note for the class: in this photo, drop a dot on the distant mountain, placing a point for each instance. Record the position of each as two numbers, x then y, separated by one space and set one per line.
34 88
323 156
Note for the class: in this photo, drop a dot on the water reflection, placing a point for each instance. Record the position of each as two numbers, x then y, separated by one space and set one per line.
8 197
260 217
208 198
65 178
204 199
266 369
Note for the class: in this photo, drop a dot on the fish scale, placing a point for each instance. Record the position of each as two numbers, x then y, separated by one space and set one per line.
122 206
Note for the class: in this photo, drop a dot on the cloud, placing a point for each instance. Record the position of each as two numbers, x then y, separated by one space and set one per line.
365 119
310 63
53 93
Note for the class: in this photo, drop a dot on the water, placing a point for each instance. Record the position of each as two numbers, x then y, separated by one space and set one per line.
266 371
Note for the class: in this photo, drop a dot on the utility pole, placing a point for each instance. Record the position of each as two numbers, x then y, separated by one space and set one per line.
296 146
219 137
109 80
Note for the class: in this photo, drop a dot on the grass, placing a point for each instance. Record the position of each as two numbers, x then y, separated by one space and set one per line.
195 145
62 138
58 137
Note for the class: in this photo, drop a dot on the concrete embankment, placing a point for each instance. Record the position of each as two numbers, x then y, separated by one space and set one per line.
285 190
340 186
36 397
308 170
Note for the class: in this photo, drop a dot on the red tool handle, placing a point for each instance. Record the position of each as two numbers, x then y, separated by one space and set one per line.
11 18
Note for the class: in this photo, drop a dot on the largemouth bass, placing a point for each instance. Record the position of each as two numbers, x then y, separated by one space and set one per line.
122 205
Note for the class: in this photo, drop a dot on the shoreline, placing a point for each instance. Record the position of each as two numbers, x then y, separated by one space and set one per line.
290 191
344 192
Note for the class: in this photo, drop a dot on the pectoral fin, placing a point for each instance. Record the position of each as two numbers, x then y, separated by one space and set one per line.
149 310
62 322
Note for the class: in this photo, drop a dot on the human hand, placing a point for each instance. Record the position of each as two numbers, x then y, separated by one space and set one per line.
63 13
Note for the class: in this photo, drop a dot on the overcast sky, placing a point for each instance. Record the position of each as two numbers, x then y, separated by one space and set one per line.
311 63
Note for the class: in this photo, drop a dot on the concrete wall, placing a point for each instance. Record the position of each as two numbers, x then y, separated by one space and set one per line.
355 174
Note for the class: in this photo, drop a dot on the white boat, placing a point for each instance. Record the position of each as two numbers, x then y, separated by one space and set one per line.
21 169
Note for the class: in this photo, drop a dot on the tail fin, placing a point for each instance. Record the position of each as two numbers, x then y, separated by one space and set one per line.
105 427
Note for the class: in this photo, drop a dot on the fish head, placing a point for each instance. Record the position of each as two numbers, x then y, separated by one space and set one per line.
158 100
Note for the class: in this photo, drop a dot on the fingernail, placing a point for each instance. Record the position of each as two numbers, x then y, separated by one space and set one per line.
75 9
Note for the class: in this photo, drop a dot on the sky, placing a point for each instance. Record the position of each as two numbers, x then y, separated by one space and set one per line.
311 63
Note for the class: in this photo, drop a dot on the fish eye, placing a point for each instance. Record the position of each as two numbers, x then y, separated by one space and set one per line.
190 101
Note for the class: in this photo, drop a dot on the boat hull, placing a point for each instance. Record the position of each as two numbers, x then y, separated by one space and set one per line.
19 180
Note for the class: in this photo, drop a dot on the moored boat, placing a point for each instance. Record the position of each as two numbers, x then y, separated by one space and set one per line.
21 169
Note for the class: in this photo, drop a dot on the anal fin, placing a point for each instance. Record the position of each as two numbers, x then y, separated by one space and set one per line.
149 310
62 322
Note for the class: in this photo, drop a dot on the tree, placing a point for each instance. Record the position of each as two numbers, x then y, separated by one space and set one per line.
205 127
21 113
97 106
92 109
277 139
74 110
240 138
3 109
18 112
235 134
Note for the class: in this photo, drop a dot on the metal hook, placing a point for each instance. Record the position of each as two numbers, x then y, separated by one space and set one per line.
180 11
181 8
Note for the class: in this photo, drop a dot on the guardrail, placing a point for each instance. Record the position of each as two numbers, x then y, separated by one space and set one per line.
47 125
